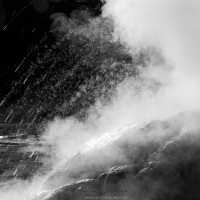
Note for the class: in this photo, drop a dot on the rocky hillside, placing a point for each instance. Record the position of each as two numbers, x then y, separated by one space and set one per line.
158 160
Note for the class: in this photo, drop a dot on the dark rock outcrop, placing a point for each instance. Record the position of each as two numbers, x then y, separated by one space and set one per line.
164 168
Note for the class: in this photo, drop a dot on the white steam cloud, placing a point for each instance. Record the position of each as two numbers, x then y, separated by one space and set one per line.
172 27
165 88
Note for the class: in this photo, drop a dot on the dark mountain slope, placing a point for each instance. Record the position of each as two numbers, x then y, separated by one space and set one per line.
164 168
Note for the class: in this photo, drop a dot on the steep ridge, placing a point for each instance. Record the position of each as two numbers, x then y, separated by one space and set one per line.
158 160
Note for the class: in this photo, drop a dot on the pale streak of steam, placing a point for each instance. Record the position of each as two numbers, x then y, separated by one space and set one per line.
162 90
172 27
67 137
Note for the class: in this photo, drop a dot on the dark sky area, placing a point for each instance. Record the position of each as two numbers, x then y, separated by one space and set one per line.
22 24
35 80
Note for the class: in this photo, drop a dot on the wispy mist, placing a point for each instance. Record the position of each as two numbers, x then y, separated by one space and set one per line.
161 86
167 32
173 28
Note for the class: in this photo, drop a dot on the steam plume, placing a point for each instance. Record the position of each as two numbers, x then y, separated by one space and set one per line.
162 89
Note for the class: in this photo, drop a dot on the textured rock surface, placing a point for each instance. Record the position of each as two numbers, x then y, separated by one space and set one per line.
164 168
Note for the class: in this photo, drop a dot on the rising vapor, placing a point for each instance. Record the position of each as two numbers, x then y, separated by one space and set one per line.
161 79
173 28
169 84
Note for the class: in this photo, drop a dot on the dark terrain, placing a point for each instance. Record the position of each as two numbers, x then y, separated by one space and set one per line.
58 60
166 167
